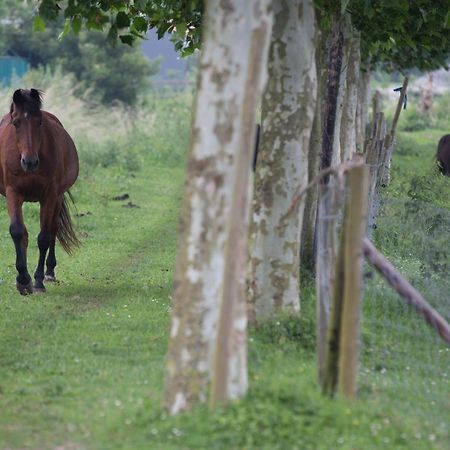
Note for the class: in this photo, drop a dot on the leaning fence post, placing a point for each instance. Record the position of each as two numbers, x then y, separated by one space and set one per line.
354 230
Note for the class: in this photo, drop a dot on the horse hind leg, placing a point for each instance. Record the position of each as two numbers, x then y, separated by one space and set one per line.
51 262
46 242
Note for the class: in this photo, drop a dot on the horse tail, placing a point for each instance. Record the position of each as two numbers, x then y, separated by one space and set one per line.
66 234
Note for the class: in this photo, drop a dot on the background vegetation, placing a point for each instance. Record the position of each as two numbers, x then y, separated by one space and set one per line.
81 367
103 73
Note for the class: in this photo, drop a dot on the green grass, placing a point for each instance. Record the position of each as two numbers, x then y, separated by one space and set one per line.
82 366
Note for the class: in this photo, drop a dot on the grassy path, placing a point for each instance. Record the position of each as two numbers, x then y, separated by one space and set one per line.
82 366
82 360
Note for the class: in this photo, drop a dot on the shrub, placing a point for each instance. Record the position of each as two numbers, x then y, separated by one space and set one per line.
413 120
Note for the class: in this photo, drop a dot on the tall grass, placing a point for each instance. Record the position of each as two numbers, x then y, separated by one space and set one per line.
109 135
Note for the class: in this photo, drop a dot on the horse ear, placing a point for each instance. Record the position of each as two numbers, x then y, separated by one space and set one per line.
36 95
18 96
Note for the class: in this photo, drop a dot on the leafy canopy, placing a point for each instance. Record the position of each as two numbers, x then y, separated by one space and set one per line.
129 20
396 35
403 34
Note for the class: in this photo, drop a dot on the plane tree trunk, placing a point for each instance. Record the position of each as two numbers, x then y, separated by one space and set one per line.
207 346
287 117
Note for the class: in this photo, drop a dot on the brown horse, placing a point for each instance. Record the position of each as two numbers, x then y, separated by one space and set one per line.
38 163
443 155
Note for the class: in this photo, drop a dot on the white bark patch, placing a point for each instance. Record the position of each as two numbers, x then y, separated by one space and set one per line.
175 326
179 403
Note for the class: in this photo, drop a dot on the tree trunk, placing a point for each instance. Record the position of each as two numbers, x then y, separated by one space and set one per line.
362 114
348 122
334 64
208 312
426 96
287 117
347 34
307 254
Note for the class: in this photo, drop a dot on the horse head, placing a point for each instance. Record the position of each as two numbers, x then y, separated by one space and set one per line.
26 116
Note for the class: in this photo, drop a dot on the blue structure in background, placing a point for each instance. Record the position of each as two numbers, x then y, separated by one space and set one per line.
10 67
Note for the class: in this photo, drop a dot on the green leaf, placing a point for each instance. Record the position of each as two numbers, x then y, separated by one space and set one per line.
127 39
65 31
140 24
112 34
76 24
181 29
122 20
38 23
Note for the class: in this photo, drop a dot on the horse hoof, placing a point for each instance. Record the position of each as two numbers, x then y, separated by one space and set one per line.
38 290
50 278
25 289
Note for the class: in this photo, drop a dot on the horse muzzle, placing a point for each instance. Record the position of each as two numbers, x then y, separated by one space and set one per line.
30 163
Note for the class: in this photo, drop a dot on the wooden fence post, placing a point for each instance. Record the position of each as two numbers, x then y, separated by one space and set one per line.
340 365
354 230
330 204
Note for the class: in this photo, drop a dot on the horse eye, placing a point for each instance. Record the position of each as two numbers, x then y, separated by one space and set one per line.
16 123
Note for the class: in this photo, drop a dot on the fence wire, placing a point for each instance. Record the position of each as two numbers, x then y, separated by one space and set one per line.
401 356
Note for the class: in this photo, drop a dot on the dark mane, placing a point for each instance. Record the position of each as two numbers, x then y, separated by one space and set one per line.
29 100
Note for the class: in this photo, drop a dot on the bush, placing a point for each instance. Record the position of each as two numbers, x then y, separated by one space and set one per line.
413 120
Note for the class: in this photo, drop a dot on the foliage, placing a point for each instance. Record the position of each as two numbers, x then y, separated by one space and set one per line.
414 120
396 36
415 219
436 118
404 34
129 21
88 56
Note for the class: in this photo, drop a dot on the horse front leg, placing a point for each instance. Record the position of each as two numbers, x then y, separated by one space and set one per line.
19 235
46 241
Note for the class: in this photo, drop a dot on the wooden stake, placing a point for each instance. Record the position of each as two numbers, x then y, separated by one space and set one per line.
354 228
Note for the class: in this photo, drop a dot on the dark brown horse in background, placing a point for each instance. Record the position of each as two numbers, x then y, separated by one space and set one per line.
38 163
443 155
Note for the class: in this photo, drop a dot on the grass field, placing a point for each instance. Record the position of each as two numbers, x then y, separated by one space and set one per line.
82 366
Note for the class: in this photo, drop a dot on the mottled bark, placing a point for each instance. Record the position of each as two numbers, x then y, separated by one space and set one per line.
208 314
348 121
287 117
